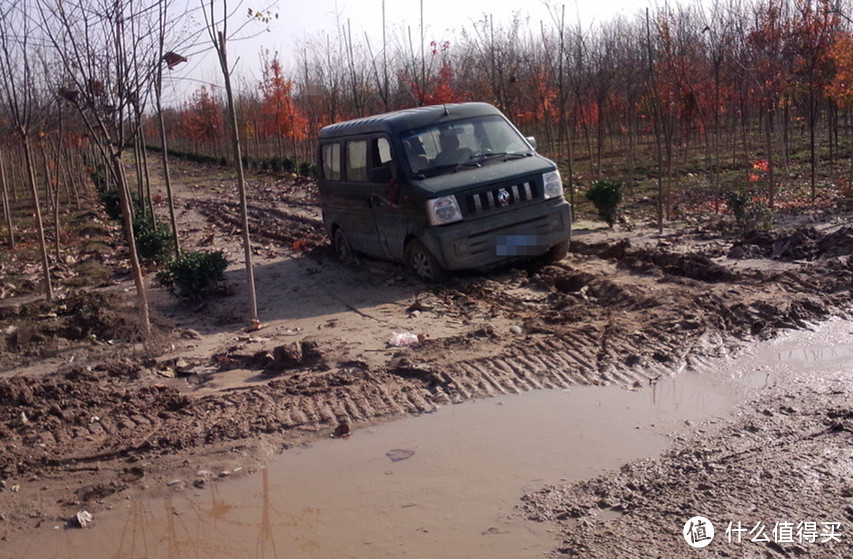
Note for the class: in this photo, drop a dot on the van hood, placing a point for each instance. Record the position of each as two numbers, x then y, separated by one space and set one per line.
493 171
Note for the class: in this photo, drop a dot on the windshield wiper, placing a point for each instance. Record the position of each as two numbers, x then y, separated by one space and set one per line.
505 154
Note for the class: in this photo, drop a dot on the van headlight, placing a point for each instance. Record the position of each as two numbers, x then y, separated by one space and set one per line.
443 210
553 184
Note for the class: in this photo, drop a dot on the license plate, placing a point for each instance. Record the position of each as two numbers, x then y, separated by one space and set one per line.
517 245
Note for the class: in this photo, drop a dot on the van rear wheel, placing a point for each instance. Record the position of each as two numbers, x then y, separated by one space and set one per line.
343 250
423 263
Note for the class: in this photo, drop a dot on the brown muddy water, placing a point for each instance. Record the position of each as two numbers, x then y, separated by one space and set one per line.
440 485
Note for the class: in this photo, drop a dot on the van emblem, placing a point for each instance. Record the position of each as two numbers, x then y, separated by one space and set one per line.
503 197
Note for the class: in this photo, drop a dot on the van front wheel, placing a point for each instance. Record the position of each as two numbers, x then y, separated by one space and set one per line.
423 263
557 252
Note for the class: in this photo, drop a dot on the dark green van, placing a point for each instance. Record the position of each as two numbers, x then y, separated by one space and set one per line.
445 187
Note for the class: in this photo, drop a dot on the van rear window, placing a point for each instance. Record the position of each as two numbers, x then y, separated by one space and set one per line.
332 162
357 161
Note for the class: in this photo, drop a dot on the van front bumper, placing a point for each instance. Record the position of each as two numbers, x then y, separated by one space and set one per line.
487 241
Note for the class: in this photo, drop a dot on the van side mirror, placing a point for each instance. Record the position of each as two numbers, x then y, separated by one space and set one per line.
380 175
532 141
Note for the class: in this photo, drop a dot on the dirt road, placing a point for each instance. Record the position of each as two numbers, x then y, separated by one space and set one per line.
85 420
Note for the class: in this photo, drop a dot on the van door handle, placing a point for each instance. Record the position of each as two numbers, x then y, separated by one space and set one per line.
375 201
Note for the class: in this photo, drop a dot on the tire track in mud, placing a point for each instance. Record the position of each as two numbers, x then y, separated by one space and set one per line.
286 226
555 363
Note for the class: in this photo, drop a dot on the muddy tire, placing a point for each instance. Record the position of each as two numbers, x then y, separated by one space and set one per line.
343 250
557 252
423 263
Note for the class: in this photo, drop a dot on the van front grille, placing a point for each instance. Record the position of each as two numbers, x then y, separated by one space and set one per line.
497 198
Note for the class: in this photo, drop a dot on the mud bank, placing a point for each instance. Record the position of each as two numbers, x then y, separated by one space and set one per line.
773 481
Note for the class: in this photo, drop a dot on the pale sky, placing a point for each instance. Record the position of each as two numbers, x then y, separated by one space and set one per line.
300 21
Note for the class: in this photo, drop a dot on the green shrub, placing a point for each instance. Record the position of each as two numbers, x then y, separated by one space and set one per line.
307 169
194 275
155 241
606 196
738 203
112 203
288 165
749 213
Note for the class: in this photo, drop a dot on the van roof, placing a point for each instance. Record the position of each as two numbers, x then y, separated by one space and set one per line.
407 119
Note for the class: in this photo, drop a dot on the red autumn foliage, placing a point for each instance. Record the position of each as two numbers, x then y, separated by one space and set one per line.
202 120
281 116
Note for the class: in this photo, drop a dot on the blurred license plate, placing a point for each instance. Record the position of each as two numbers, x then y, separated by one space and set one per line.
517 245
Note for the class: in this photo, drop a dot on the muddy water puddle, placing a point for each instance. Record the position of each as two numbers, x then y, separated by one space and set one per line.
440 485
443 484
812 357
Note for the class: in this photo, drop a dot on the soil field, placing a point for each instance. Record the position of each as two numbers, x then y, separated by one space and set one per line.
88 417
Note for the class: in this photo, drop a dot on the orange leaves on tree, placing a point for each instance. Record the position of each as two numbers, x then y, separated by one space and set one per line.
281 116
542 104
201 120
759 168
812 34
440 90
841 86
439 87
546 97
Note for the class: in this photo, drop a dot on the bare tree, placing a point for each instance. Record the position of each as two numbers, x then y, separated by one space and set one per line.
107 52
171 59
20 99
217 28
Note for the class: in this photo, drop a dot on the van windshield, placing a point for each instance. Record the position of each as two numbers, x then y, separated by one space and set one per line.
453 146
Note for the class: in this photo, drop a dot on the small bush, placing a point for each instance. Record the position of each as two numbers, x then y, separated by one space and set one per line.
307 169
155 241
749 213
195 275
606 196
112 203
288 165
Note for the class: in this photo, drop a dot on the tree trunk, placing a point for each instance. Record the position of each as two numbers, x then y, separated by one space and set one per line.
146 175
657 124
48 179
167 177
31 178
768 141
7 209
241 181
127 216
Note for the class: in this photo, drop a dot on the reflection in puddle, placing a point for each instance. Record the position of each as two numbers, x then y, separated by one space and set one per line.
453 495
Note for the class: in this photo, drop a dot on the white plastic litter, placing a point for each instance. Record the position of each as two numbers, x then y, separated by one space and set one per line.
402 339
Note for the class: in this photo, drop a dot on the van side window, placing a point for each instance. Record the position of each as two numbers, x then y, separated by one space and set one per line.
383 148
357 160
332 162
